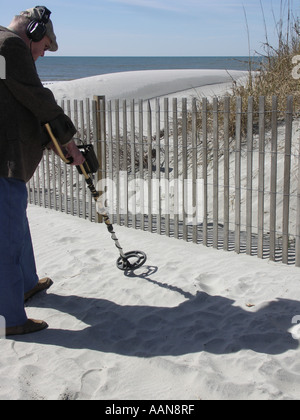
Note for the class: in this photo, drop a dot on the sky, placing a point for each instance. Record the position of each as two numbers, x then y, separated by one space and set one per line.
159 27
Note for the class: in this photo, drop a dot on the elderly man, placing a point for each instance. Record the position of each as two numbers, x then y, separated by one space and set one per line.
25 106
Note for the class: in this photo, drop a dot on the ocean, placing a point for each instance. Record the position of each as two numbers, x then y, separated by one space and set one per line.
70 68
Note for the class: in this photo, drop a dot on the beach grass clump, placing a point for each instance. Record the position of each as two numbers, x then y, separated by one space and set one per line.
276 76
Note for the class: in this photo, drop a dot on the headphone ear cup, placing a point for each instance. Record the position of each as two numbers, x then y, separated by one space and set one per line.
36 30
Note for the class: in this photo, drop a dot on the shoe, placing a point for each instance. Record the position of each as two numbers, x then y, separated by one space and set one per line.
30 326
43 284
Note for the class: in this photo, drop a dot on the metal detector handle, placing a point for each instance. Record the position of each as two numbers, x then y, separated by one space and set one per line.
57 145
89 181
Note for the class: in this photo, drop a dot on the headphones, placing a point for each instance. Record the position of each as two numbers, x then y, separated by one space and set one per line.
36 30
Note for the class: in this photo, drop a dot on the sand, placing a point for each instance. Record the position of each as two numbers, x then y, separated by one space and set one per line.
193 323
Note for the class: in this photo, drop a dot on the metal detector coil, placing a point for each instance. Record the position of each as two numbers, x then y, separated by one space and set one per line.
126 262
131 261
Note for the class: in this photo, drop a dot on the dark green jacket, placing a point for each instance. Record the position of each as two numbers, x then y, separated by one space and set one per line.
25 106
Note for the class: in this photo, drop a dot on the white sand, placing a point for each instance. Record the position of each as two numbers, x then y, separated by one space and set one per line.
193 323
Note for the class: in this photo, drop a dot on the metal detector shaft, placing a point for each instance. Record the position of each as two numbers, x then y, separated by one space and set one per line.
91 187
123 262
105 216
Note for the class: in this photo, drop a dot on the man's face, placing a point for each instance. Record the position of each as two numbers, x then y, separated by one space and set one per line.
38 48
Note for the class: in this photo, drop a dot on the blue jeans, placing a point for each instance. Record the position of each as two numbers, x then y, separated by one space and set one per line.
17 264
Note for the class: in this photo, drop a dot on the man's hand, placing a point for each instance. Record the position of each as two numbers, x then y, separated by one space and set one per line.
74 152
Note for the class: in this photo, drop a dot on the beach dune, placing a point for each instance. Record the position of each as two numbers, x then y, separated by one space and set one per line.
149 84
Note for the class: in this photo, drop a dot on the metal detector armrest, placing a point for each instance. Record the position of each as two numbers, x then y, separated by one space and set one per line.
91 164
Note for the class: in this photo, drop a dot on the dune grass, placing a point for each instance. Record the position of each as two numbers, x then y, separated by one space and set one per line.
274 77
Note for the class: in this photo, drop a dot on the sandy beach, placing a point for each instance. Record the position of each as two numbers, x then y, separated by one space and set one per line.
193 323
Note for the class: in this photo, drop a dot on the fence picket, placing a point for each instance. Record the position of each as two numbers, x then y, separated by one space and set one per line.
184 170
176 171
141 164
194 171
273 186
238 175
77 181
297 262
261 177
88 114
204 170
249 176
150 193
226 173
287 179
132 160
124 186
158 176
71 192
167 166
215 174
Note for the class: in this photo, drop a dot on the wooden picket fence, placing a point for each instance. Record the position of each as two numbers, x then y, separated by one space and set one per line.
219 174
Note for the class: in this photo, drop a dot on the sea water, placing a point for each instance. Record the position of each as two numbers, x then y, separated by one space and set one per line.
69 68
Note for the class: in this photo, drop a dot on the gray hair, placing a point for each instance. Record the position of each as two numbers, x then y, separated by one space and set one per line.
20 23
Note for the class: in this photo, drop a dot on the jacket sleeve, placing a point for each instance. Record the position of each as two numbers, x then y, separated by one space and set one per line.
24 83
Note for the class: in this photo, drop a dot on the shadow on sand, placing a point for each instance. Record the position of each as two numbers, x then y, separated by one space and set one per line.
201 323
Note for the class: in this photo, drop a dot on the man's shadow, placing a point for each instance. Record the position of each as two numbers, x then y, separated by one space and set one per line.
201 323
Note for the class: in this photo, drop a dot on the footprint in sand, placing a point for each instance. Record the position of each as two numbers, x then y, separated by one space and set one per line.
206 281
91 382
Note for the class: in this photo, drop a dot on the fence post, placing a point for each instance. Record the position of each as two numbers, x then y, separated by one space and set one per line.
149 146
132 160
287 179
141 163
249 199
158 175
194 170
215 173
226 172
261 177
238 175
116 158
204 170
176 184
100 141
273 188
124 185
184 168
298 215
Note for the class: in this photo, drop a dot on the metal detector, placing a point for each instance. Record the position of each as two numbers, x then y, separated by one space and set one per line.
127 261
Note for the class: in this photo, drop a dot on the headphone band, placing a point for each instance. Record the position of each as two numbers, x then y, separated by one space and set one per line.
45 14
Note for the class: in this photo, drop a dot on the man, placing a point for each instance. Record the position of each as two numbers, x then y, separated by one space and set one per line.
25 107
